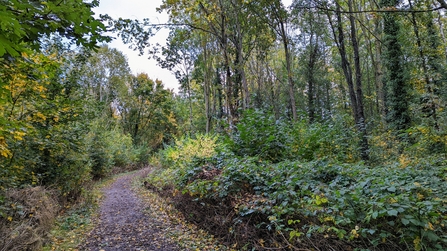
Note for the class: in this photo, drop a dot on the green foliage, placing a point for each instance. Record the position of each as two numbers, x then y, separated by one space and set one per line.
45 138
109 148
146 112
334 139
186 149
100 155
176 160
378 206
260 134
121 147
23 23
396 86
323 192
427 141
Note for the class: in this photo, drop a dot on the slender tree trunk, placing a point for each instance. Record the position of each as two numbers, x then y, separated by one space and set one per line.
228 82
397 99
240 68
287 52
441 31
360 117
219 95
378 71
345 63
311 78
355 94
207 87
188 89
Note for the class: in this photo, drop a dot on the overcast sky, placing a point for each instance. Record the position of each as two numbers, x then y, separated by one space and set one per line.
139 9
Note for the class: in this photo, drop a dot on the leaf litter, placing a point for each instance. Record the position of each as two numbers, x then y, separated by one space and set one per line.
133 218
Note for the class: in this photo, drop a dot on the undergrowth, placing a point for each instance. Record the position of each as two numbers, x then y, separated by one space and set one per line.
72 225
327 200
27 217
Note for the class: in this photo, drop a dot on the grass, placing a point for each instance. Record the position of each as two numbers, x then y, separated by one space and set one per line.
71 227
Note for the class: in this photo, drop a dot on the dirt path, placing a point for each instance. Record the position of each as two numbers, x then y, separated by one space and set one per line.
123 224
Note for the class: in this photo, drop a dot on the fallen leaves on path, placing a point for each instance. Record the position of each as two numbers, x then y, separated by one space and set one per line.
123 224
131 217
187 236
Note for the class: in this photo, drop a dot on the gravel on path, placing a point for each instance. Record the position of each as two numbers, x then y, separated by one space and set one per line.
123 224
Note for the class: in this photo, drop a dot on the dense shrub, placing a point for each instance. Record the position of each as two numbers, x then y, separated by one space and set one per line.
376 208
260 134
176 159
185 149
334 139
304 184
399 205
54 156
109 148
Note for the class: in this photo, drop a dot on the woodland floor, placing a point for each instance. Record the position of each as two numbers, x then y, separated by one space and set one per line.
124 223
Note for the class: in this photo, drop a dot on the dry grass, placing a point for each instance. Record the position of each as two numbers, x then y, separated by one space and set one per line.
29 216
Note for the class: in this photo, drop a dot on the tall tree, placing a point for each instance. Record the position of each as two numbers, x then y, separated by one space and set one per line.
179 56
355 90
397 90
103 76
276 16
146 112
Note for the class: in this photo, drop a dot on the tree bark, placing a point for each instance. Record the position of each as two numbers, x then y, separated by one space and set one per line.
285 41
360 116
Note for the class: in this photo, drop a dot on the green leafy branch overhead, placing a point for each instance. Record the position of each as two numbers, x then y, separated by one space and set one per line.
25 22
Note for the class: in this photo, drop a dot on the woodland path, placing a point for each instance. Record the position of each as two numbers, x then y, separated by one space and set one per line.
123 223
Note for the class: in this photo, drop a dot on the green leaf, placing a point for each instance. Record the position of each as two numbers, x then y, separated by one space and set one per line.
392 189
392 212
431 235
405 221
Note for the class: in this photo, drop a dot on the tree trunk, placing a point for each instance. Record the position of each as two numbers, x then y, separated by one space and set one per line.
311 78
207 87
355 96
360 116
430 103
397 98
285 41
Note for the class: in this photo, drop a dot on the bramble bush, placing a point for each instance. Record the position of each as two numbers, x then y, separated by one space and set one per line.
334 139
315 189
374 208
260 134
185 149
